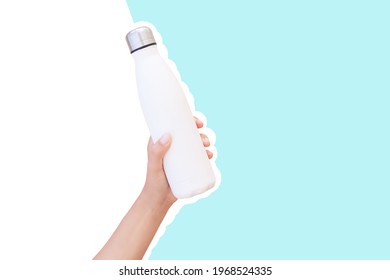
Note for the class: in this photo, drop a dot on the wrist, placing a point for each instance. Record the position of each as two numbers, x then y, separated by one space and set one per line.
162 199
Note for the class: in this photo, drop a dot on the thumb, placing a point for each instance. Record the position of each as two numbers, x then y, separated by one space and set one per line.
157 151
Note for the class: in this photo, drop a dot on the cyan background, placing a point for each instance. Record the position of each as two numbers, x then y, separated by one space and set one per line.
298 93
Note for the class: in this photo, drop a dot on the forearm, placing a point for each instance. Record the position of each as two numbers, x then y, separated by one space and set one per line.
137 229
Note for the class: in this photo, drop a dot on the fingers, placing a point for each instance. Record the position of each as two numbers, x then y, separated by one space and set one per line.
205 139
157 151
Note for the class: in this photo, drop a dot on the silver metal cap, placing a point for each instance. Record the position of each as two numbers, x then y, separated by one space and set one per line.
140 38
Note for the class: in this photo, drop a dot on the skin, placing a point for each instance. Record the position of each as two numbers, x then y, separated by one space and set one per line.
134 234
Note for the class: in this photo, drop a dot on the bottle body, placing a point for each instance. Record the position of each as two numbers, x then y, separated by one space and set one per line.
166 110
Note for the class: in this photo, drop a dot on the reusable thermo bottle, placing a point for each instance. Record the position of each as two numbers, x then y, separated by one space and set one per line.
166 110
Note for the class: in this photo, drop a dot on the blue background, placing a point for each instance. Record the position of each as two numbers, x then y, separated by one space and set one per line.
298 93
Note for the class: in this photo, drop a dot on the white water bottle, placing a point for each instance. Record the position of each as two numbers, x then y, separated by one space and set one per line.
166 110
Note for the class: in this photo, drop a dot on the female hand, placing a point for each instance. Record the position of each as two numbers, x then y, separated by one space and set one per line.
156 185
135 232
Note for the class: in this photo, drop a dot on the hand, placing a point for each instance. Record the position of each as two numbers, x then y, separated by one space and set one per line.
156 185
135 232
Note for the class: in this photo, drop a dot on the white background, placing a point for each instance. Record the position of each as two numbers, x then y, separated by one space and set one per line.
72 136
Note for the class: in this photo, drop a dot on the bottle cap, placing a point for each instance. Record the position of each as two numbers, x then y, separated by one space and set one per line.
140 38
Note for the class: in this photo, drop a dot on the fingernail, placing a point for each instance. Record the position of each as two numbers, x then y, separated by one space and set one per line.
206 140
165 139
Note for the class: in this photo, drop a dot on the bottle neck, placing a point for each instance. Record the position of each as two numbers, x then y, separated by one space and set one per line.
148 51
143 47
